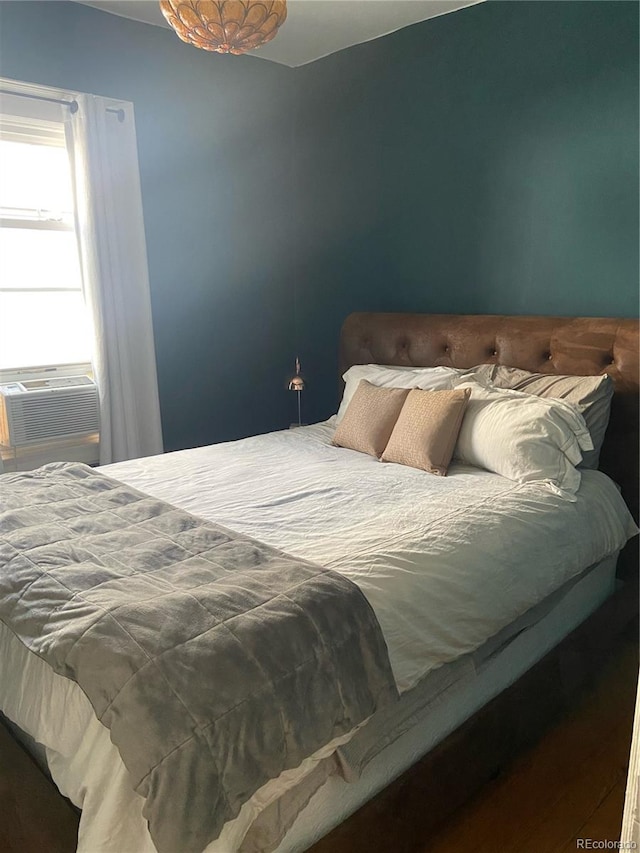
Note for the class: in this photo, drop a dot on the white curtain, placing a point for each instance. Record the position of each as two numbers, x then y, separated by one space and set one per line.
101 140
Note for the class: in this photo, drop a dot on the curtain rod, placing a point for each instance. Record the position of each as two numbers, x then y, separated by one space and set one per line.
73 105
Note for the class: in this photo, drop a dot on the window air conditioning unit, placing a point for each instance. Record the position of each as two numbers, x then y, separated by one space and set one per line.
41 410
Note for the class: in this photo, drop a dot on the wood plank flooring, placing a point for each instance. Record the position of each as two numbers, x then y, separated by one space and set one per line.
34 818
569 785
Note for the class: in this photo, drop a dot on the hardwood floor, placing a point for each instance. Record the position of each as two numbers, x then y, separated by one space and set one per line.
34 818
569 785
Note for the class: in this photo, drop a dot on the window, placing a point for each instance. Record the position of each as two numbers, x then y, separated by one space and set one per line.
43 321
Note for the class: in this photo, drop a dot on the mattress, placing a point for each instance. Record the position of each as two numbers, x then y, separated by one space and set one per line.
435 557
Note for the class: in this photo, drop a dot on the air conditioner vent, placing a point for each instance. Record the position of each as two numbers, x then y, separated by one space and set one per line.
50 412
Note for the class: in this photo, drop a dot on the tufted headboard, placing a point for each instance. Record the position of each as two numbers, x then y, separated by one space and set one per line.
583 346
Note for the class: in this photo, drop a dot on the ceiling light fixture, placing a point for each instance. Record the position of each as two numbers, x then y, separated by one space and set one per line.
225 26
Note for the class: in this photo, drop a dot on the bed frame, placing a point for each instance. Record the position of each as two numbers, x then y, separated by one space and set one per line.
402 817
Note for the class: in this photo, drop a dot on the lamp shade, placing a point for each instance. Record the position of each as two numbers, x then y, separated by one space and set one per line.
296 382
225 26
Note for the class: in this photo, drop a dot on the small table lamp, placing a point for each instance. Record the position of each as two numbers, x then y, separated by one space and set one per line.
297 384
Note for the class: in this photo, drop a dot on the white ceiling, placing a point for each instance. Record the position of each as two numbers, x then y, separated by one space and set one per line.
314 28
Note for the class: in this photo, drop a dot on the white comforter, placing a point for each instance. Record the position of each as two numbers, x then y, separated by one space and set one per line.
445 563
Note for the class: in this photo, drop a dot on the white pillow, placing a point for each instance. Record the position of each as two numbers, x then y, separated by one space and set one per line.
591 395
523 437
425 378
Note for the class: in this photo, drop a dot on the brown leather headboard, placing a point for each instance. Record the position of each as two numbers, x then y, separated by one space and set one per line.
581 346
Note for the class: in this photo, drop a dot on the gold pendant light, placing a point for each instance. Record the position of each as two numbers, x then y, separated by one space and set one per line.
225 26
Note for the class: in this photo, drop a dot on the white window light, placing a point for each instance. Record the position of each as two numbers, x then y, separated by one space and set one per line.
43 321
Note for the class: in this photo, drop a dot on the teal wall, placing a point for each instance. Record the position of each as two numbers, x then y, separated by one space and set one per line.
213 137
484 161
481 162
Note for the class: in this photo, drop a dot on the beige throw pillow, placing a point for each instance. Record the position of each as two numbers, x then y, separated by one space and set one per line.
426 430
370 418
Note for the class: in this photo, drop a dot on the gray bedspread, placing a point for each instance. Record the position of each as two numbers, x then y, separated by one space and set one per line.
216 661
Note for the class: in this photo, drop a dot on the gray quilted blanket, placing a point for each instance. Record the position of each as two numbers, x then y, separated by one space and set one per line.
216 661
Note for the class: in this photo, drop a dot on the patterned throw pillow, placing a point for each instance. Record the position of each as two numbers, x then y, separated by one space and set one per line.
426 430
370 418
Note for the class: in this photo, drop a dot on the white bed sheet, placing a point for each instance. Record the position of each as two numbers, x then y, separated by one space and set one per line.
433 556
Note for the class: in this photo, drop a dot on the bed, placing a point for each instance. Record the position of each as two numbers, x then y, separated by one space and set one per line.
454 643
